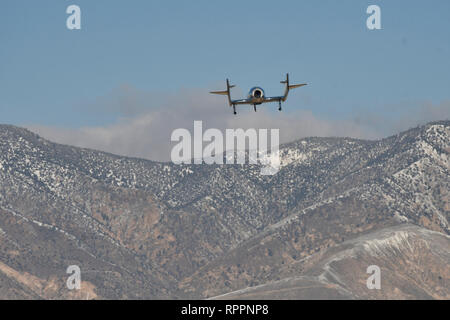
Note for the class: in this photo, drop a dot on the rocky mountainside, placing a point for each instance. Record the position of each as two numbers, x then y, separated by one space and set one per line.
142 229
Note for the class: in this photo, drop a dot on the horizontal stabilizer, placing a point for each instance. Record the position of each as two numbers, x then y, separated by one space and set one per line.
289 87
219 92
293 86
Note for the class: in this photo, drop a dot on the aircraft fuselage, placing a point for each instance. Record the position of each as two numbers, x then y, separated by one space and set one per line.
256 96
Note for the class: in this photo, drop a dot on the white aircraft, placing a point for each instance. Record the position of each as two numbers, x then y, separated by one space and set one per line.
256 95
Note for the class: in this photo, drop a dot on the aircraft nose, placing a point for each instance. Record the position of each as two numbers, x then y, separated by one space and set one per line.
257 93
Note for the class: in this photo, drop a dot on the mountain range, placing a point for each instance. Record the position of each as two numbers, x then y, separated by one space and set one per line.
140 229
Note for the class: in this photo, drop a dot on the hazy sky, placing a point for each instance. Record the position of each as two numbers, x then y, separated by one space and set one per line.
134 59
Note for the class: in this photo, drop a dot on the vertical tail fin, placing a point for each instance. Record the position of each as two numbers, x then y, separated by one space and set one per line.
289 86
225 92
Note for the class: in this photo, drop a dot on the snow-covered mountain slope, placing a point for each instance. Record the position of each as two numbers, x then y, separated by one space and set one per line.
142 229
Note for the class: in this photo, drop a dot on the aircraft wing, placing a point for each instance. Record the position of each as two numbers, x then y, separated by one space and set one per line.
273 99
241 101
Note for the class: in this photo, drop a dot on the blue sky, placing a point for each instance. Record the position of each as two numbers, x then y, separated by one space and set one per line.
48 74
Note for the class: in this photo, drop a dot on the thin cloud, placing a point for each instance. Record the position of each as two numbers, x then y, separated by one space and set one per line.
147 121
